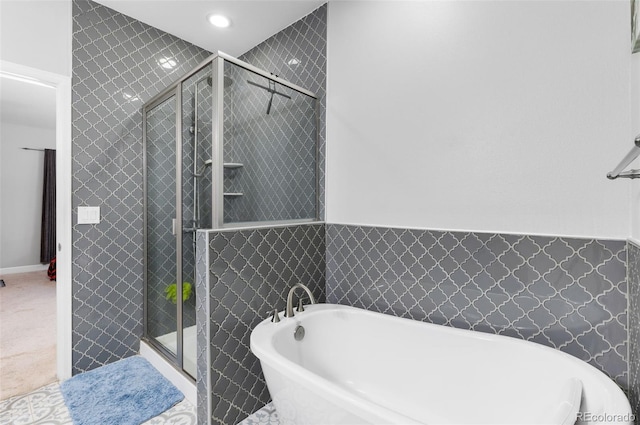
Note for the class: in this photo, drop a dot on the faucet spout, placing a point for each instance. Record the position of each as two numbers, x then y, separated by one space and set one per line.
289 312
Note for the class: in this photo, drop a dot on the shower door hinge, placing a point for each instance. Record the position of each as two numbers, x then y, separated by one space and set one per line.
173 226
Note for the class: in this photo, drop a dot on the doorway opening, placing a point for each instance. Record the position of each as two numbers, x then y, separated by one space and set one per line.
35 312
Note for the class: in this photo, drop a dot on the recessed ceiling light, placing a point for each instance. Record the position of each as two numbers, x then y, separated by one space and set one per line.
167 63
219 21
293 62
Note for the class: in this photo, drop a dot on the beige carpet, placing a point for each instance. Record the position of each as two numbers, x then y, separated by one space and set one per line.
27 333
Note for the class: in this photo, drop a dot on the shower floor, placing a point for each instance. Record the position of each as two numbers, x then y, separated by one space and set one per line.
189 346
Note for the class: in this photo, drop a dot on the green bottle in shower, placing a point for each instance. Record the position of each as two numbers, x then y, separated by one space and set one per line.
171 292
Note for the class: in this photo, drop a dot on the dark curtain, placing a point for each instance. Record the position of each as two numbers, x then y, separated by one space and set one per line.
48 230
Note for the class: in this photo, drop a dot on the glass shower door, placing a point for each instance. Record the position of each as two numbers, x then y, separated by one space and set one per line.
226 145
197 94
161 247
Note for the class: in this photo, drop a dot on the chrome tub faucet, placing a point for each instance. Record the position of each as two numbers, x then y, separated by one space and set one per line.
289 312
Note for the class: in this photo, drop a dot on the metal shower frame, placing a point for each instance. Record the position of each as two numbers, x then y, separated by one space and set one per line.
216 61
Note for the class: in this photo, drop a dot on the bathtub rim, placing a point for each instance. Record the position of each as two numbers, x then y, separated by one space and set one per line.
261 344
331 391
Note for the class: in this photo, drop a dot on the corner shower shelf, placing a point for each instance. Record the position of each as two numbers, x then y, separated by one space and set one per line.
232 165
233 194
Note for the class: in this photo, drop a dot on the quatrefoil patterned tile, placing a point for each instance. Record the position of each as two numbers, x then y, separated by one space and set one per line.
115 70
298 54
567 293
251 272
633 263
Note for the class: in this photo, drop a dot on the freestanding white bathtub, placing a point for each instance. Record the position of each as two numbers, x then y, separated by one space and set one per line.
359 367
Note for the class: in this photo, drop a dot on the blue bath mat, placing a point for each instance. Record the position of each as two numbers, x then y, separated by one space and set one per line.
127 392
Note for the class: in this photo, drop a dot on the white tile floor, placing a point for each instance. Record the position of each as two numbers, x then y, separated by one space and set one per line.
265 416
46 406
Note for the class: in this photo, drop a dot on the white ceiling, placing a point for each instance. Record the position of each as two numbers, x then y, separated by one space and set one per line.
27 104
252 21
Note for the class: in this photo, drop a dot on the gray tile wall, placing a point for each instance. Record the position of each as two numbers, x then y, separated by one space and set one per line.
570 294
202 325
633 273
306 41
115 70
251 272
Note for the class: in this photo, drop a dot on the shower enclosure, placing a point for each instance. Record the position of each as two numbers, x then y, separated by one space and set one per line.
227 145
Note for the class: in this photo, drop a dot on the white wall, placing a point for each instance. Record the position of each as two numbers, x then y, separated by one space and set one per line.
635 131
21 175
481 116
37 33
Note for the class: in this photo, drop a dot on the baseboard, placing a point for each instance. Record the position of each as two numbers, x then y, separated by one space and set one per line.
24 269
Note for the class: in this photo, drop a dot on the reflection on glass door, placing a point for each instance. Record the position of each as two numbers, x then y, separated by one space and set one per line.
161 249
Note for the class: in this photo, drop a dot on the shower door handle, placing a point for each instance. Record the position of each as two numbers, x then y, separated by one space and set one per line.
173 226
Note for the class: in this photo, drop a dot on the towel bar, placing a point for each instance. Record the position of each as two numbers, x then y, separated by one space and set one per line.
628 159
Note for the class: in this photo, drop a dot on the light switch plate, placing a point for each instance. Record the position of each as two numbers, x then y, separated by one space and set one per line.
88 215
